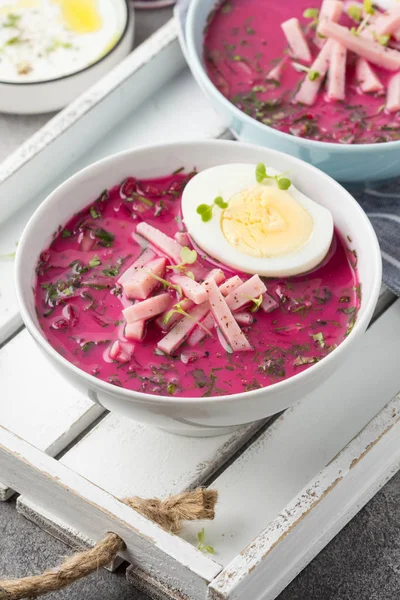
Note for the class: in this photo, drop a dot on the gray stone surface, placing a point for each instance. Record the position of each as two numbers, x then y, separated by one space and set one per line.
361 563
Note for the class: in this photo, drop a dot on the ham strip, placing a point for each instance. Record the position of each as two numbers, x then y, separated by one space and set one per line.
308 90
161 241
142 284
331 10
230 285
147 255
367 78
337 72
296 40
276 73
147 309
393 94
388 22
374 52
199 334
252 288
192 290
225 320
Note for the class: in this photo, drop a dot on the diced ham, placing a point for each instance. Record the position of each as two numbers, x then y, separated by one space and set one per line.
388 22
244 318
332 10
147 309
191 289
393 94
142 283
366 77
230 285
225 320
147 255
337 72
252 288
121 351
135 331
185 305
269 303
296 40
161 241
198 333
308 90
374 52
275 74
179 333
216 275
182 238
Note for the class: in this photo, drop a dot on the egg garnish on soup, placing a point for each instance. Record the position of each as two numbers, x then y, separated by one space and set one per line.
253 219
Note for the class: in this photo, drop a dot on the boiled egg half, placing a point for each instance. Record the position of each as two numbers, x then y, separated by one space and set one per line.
256 227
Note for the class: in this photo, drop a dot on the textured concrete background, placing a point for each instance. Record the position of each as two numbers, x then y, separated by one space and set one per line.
361 563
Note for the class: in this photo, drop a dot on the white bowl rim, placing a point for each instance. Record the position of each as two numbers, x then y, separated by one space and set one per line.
129 16
136 396
305 142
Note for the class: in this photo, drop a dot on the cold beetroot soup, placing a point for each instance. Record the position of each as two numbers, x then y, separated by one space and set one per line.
329 73
101 255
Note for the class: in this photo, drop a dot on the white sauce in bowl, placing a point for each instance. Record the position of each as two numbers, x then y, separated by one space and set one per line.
41 40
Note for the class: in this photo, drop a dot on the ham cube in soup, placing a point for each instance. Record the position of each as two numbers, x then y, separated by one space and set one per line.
147 309
135 331
121 352
143 282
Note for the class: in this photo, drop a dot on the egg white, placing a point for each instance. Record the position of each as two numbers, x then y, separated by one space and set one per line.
228 180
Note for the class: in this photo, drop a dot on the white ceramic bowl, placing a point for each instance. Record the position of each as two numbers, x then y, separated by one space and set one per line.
33 97
197 416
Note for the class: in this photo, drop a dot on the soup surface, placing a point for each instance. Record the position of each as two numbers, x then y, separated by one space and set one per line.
79 303
244 42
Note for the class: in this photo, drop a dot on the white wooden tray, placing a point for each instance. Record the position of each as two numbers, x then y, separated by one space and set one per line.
286 487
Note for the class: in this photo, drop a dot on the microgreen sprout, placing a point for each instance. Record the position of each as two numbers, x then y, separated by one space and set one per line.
206 210
188 257
355 12
368 10
167 284
368 7
381 39
319 338
177 309
256 303
312 75
201 536
282 182
311 13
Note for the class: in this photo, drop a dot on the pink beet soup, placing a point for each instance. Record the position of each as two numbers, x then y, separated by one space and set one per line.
244 42
79 303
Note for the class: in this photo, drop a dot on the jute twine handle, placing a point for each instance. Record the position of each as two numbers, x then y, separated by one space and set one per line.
169 514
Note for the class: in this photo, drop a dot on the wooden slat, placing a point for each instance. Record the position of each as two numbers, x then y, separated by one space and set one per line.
273 470
36 403
95 512
321 509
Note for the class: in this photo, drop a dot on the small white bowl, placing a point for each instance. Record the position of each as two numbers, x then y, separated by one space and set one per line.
197 416
35 97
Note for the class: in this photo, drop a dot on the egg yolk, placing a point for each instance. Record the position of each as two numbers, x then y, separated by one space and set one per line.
265 222
80 16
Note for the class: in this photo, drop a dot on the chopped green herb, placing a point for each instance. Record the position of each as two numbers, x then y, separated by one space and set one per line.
104 196
319 338
348 310
171 388
344 299
106 237
313 75
87 346
177 171
94 213
94 262
305 360
142 199
226 8
66 233
9 256
14 40
12 20
311 13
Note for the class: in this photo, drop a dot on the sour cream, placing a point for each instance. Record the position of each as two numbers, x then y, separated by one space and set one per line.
41 40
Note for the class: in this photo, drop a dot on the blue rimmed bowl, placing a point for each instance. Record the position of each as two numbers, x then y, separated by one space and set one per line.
346 163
